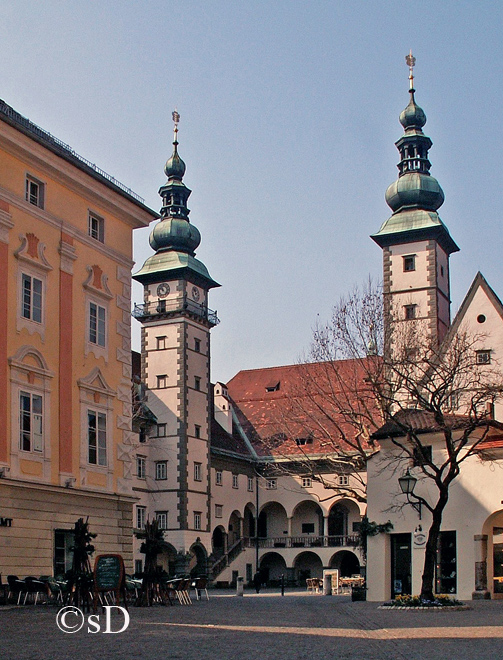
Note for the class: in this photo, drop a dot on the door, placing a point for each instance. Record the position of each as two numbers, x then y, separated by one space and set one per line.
401 564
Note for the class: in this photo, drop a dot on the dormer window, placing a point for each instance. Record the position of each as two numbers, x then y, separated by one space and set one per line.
273 386
409 263
300 442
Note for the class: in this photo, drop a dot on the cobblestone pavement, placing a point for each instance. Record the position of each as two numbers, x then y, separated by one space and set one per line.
297 626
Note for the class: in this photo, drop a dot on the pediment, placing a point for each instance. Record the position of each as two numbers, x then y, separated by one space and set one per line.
96 382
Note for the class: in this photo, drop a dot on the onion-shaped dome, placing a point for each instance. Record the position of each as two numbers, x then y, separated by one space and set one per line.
413 116
175 234
175 167
415 189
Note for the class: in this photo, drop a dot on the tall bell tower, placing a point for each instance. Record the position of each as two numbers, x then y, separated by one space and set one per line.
176 324
416 244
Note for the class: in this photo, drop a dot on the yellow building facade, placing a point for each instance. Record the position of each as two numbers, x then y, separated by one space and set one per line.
65 354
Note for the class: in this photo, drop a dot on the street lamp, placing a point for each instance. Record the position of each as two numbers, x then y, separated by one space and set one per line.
407 484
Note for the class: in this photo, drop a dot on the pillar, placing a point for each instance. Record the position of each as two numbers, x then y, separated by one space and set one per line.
481 592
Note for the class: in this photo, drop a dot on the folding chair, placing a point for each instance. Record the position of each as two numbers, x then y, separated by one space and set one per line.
200 585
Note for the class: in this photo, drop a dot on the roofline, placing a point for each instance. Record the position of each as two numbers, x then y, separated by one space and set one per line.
479 281
439 233
63 150
299 364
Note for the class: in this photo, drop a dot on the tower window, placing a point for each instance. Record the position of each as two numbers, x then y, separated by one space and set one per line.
197 345
409 263
483 357
410 312
161 343
218 477
197 383
141 467
197 519
197 431
161 470
162 519
162 381
198 472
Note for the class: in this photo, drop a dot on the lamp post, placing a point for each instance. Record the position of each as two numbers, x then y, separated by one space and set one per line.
407 484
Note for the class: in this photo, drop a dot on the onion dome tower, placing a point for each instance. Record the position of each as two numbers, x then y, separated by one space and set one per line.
176 324
416 243
174 238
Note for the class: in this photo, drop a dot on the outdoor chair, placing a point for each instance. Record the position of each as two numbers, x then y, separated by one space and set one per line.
201 584
33 587
16 587
4 590
182 592
54 591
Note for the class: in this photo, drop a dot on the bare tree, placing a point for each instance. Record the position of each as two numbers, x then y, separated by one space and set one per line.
332 402
444 391
369 375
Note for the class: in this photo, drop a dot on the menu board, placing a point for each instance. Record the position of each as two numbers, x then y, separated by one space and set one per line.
108 572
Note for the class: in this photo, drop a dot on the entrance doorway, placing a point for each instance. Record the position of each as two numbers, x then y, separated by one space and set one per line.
498 560
401 564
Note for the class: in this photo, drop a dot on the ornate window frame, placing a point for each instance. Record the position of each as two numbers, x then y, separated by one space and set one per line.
29 372
96 395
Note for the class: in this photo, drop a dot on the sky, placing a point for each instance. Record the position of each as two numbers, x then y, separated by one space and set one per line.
289 114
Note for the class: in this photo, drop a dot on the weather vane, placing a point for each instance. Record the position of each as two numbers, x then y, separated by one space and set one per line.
411 61
176 119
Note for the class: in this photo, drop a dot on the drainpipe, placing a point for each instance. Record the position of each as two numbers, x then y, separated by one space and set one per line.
256 523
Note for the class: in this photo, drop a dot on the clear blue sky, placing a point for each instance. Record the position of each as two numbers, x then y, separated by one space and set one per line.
289 114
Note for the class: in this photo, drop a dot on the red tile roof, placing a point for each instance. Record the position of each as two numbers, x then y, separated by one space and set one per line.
292 410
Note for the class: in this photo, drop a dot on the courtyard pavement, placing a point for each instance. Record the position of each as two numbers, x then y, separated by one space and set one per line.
298 626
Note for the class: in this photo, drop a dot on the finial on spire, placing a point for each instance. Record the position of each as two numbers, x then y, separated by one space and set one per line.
176 119
411 61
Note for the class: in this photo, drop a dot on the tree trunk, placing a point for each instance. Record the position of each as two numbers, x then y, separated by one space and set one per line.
430 555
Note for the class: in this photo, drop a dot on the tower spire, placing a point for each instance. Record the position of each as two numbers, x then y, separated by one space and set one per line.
174 238
411 63
416 243
176 119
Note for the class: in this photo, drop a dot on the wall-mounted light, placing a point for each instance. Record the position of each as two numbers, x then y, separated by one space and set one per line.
407 484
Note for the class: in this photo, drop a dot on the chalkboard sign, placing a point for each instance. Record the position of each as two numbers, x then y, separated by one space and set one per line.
108 572
109 576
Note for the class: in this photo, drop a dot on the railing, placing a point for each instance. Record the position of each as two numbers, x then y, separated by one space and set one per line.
175 306
6 110
348 540
228 557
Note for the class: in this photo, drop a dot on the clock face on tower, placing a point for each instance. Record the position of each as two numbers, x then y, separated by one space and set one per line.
163 290
195 293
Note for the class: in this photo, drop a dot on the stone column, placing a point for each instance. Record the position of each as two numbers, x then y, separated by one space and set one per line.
481 592
182 561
